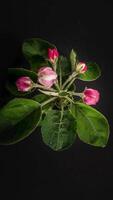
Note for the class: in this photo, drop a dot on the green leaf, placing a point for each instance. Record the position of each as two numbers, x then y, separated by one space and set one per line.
73 59
13 75
58 130
65 66
40 98
37 62
92 126
18 119
35 50
36 46
92 73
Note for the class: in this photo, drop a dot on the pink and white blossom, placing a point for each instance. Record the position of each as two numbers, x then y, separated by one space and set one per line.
24 84
47 76
81 68
91 96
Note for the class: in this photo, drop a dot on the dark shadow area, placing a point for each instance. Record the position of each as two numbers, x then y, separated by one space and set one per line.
29 169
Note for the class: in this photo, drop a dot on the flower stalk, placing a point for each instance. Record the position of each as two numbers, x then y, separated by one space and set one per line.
35 85
55 94
48 101
71 77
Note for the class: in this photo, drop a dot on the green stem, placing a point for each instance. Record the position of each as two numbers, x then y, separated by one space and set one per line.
48 101
71 82
69 99
73 75
60 78
49 93
60 125
42 87
57 86
79 94
54 65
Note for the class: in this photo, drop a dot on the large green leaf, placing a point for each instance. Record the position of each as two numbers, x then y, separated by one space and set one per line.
58 130
92 126
35 50
13 75
92 73
18 119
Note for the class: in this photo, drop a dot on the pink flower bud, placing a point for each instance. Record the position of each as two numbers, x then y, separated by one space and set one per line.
81 67
46 76
53 55
91 96
24 84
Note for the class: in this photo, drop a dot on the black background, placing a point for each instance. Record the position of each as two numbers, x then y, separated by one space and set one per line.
29 169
